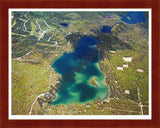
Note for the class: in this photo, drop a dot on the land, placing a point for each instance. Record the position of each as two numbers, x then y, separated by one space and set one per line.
38 39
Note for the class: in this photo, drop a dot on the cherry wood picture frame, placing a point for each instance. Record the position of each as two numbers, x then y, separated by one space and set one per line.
4 43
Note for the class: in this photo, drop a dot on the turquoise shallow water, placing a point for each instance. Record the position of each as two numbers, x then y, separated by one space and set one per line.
77 69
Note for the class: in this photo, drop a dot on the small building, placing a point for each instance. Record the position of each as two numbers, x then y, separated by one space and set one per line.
140 70
127 91
69 42
125 65
127 59
112 52
120 68
106 100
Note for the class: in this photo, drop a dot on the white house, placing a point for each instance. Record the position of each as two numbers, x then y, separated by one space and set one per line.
120 68
127 59
125 65
19 58
140 70
112 52
69 42
106 100
127 91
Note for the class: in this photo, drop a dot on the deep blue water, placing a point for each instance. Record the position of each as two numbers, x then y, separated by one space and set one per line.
130 18
77 69
133 17
64 24
106 29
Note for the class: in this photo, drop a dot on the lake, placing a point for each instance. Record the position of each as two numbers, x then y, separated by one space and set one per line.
77 69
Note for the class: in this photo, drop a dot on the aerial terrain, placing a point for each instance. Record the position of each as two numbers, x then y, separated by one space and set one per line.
104 54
